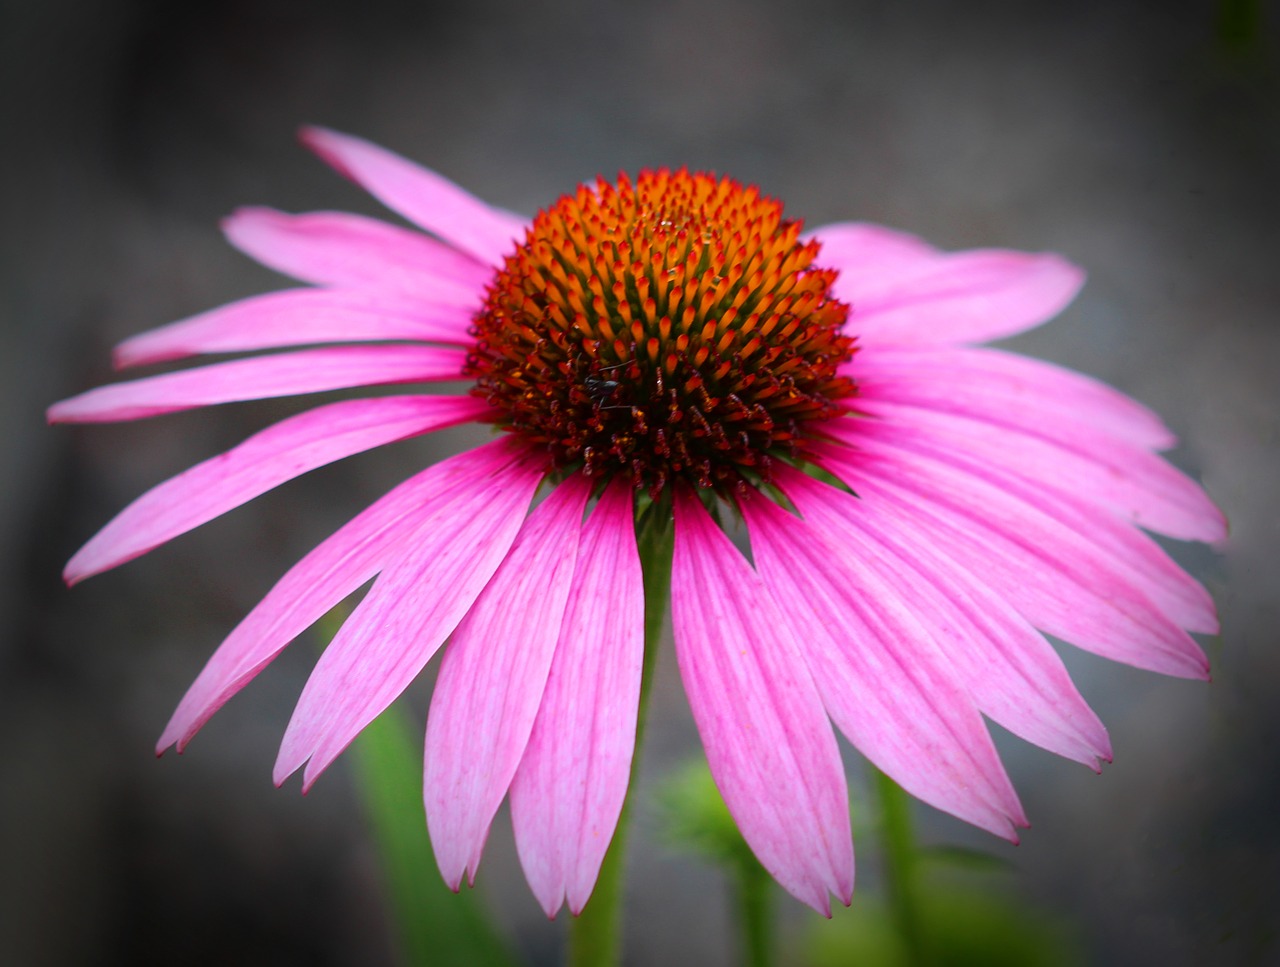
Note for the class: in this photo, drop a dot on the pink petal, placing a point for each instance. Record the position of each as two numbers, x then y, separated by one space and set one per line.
1133 555
996 386
1129 481
350 251
769 744
267 459
263 377
336 568
892 699
972 635
451 550
966 297
492 680
870 255
422 196
1057 581
571 784
297 317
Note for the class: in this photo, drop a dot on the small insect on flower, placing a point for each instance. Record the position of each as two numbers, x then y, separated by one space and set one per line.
665 345
601 389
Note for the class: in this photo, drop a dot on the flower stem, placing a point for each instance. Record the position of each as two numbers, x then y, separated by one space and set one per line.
900 863
595 936
752 892
434 928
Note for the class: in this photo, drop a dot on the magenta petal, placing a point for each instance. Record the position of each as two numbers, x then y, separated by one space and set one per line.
568 792
297 317
769 744
1054 578
350 251
451 550
1128 552
893 700
262 377
267 459
492 679
422 196
971 634
334 569
996 386
967 297
870 255
1125 479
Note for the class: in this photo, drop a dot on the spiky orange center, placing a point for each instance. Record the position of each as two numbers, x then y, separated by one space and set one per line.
674 328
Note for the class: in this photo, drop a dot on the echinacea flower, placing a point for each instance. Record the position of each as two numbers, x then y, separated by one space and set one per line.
919 511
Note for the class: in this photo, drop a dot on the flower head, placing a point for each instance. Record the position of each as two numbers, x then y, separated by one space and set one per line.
919 510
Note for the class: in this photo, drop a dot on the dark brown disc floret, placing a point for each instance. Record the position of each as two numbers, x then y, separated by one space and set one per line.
674 328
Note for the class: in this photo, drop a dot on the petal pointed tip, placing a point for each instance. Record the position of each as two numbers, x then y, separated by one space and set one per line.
168 739
324 143
1105 752
844 894
181 738
814 897
310 134
315 768
283 770
80 567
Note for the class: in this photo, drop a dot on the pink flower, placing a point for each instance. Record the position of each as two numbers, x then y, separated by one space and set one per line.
918 510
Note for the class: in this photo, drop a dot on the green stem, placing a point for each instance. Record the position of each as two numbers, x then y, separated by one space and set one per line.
434 928
900 863
753 889
595 936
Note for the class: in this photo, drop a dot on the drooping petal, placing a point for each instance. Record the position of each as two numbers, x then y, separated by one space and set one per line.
451 552
568 792
298 317
989 384
769 744
1058 582
972 635
337 567
267 459
350 251
1132 554
915 723
966 297
262 377
422 196
492 679
1121 478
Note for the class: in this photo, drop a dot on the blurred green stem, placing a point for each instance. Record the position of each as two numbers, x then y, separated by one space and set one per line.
595 937
900 865
435 927
753 891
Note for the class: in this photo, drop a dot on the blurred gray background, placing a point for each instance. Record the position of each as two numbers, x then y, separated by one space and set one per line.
1142 141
